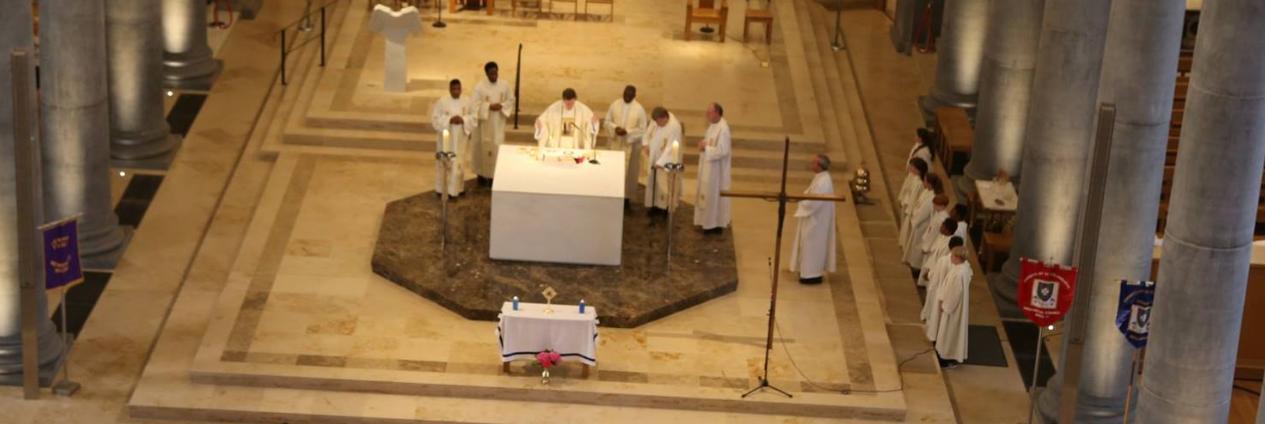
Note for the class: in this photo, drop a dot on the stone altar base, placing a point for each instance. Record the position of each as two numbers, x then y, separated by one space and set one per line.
465 280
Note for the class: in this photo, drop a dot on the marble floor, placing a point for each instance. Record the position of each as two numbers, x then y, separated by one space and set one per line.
275 198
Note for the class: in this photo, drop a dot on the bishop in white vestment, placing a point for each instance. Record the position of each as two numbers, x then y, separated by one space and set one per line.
457 114
625 122
495 101
711 211
659 135
953 299
567 124
813 253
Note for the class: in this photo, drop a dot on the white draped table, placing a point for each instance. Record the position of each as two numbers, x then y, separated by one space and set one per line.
530 330
557 210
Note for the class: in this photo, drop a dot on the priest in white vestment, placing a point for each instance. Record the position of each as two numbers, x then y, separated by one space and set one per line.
625 122
567 124
456 114
711 210
908 196
663 129
953 300
813 253
935 275
495 100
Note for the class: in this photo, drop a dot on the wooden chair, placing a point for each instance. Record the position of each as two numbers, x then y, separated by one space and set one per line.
992 245
706 13
610 3
575 4
759 16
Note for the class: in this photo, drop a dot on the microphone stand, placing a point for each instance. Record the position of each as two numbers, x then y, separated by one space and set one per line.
439 23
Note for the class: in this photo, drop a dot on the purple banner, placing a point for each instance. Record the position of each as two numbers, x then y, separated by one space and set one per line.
61 253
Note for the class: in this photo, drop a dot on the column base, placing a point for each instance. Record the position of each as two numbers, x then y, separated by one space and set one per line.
51 349
105 259
157 163
142 146
1004 295
190 74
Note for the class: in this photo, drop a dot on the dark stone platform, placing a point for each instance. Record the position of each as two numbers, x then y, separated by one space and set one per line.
471 284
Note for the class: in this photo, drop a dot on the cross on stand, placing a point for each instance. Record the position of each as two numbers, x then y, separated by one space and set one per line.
782 198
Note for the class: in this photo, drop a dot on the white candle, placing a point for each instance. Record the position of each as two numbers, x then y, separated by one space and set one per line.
676 151
447 145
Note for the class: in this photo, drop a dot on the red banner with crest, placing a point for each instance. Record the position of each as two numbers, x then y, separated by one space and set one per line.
1045 290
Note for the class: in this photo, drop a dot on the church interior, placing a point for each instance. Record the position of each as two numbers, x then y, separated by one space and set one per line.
286 211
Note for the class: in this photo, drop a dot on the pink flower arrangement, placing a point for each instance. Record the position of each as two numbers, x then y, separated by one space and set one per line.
548 358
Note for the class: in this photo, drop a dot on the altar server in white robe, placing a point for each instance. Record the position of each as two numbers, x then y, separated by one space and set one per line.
711 210
813 253
909 191
567 124
625 122
495 100
458 115
659 135
935 275
917 222
954 303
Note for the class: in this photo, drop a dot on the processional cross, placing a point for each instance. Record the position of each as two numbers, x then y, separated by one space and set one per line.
782 198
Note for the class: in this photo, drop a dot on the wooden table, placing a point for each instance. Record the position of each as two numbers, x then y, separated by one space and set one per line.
955 134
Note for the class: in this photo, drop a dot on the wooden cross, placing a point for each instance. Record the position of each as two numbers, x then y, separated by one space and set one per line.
782 199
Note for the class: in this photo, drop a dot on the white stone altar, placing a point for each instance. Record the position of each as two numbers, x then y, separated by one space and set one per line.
556 210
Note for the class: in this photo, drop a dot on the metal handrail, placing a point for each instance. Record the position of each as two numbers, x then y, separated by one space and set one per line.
299 25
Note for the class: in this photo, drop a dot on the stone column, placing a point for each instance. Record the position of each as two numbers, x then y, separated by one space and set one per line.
1208 240
1058 137
76 125
1010 56
187 60
1139 73
15 33
960 52
138 129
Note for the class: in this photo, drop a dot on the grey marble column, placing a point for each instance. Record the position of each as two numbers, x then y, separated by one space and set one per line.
1139 73
959 54
138 129
187 59
1058 137
1010 56
76 125
15 33
1195 320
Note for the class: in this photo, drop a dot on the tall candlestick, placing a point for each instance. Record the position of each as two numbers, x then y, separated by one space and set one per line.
676 151
447 145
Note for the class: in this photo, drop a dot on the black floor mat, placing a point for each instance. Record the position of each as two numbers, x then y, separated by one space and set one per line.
984 347
1023 342
186 109
136 197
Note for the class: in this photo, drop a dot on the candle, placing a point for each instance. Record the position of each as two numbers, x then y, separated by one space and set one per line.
676 151
447 145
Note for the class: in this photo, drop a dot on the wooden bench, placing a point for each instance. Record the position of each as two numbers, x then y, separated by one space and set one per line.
954 135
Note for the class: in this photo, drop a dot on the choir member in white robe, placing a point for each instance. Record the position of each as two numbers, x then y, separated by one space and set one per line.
457 114
922 146
960 213
625 122
954 302
908 196
939 211
711 210
937 247
813 253
917 223
567 124
659 135
494 100
935 275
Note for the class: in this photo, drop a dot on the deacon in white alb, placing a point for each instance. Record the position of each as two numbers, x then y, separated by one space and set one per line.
814 251
625 122
494 100
567 124
456 114
395 27
711 211
658 139
953 300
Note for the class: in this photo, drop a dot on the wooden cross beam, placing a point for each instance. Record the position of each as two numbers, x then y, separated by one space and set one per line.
782 199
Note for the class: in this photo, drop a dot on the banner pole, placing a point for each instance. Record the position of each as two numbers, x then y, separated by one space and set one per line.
1133 373
1036 366
66 386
